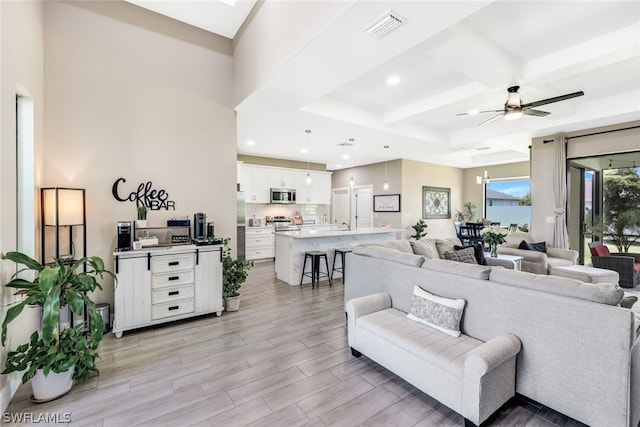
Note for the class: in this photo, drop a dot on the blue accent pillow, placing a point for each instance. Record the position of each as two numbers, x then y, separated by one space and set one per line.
478 252
540 246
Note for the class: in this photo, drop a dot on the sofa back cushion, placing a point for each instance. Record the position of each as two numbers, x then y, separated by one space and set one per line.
604 293
473 271
513 240
425 247
401 245
446 245
600 250
389 254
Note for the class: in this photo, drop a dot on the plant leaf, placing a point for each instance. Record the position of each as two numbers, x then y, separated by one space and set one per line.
51 316
23 259
12 313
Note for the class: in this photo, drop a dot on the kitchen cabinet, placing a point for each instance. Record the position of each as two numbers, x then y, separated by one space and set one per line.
164 284
318 192
254 181
282 178
259 243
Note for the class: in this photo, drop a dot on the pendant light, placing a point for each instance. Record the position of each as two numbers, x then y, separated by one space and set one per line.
478 178
352 182
386 181
308 179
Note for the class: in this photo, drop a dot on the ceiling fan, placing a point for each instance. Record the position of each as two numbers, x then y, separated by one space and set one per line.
514 108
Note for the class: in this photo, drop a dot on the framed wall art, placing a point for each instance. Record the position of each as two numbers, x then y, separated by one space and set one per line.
436 203
386 203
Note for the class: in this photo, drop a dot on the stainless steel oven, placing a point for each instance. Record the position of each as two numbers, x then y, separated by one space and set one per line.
283 195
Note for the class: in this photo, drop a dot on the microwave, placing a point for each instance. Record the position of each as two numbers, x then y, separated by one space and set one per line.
283 195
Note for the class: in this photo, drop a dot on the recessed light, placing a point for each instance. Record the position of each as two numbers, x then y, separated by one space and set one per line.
393 80
303 150
345 156
482 148
473 112
251 142
338 165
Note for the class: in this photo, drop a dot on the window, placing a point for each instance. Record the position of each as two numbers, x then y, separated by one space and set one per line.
508 202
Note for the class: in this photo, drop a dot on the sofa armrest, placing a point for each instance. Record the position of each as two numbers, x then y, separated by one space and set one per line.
493 353
362 306
568 254
636 257
489 378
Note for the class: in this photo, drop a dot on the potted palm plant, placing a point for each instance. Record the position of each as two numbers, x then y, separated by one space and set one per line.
54 358
234 274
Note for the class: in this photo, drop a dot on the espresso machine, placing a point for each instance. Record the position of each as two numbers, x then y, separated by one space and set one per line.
124 235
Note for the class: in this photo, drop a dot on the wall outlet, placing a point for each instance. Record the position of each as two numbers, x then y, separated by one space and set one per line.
551 220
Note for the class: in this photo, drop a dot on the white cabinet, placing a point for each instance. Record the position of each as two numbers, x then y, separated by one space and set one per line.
259 243
318 192
161 286
254 181
282 178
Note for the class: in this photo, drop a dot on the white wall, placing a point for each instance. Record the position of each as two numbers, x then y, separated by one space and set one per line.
21 72
132 94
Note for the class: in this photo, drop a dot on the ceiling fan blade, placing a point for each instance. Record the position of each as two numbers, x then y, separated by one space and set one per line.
551 100
480 112
538 113
497 116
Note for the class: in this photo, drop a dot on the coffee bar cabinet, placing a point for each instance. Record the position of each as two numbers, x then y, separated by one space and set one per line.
163 284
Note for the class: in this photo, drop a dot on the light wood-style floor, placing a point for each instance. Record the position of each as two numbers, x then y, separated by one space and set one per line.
282 360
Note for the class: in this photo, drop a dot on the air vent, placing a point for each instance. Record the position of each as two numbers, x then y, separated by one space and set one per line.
345 144
382 26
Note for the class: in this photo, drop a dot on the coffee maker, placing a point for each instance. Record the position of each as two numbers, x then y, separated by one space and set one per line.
124 235
200 226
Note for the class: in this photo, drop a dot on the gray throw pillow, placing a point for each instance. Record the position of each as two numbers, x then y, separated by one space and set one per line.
463 255
443 314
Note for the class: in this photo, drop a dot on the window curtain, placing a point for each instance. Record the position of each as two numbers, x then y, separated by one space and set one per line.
560 234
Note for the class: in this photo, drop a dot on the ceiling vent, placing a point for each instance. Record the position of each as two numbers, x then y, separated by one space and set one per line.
345 144
382 26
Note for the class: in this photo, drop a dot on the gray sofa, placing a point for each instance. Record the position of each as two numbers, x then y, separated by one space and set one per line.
534 261
580 351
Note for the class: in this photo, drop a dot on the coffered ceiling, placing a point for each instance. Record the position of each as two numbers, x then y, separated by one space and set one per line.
448 57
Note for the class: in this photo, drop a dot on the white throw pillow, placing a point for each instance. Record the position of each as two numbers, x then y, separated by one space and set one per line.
443 314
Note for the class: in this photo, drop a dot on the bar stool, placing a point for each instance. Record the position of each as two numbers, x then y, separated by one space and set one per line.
315 274
341 252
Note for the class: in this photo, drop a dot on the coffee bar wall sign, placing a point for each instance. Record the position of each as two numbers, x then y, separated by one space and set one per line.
143 195
436 203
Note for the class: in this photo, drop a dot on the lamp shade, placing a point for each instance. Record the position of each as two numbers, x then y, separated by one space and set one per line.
63 206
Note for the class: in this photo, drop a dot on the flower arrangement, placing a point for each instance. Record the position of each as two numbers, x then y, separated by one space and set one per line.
494 236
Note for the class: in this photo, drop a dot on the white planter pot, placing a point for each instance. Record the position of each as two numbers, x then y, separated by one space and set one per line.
52 386
141 223
232 303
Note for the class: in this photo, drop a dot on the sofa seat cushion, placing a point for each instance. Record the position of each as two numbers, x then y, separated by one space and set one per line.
444 351
604 293
390 254
558 262
473 271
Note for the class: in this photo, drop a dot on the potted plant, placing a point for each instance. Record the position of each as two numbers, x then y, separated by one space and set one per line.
494 237
234 274
53 356
142 217
420 229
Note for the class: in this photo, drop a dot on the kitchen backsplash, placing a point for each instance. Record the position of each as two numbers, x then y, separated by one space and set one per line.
308 212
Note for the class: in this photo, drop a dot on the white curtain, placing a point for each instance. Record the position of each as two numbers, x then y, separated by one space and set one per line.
560 234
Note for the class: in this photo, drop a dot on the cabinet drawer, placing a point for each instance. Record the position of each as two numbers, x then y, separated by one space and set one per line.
176 308
260 232
162 264
259 253
173 293
258 241
172 279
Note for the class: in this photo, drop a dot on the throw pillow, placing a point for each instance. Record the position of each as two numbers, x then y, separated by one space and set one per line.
540 247
478 252
443 314
463 255
600 251
446 244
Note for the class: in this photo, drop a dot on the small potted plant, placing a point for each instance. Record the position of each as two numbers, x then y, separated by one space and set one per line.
234 274
53 358
494 236
141 222
420 229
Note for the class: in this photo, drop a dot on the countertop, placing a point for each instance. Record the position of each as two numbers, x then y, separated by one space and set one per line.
312 234
162 250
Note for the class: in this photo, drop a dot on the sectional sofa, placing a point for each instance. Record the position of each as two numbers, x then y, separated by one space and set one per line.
580 350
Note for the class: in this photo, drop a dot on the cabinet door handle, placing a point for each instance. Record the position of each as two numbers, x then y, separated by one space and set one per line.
174 293
174 278
174 307
172 263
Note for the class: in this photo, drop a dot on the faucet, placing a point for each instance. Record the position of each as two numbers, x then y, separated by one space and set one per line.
348 225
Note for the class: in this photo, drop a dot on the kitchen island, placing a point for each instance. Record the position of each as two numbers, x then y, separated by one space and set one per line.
291 246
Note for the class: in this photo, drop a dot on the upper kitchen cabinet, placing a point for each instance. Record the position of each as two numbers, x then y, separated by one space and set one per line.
282 178
318 192
254 181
